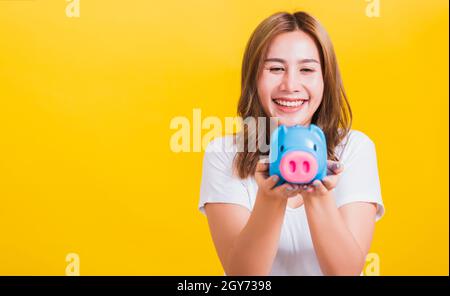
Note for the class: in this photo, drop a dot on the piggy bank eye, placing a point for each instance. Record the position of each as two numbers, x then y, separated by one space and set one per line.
315 147
281 148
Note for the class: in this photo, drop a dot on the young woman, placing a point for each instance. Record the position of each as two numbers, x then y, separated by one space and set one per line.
290 72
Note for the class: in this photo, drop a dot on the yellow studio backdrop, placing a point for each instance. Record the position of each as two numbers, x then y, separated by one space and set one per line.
86 104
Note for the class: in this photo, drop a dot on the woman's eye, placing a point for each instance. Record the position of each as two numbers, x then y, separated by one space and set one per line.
307 70
276 70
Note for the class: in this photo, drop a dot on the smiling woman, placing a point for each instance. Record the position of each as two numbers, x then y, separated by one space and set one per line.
290 72
291 87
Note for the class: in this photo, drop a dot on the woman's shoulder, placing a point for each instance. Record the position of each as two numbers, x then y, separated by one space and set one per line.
355 137
352 142
220 152
224 144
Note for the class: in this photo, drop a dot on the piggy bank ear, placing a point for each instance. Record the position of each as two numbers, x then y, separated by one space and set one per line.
283 131
276 138
318 131
278 134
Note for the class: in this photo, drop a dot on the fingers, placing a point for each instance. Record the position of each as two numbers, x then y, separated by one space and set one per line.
268 184
330 182
287 190
317 187
262 165
261 171
282 191
334 167
271 182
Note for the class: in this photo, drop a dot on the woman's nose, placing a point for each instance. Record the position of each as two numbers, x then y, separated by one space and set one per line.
291 82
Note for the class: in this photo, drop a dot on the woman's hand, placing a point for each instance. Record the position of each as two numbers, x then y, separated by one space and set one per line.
266 184
334 170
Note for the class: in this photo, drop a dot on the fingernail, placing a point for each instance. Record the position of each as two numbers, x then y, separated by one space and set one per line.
275 177
315 183
304 187
337 165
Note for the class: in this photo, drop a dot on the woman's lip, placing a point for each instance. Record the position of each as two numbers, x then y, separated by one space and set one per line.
286 109
290 99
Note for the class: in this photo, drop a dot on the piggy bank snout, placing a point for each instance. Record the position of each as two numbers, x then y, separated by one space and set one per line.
298 167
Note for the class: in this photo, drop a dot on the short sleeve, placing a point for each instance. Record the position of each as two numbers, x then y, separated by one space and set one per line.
359 181
219 184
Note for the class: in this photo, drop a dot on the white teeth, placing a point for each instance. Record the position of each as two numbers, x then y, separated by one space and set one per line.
289 103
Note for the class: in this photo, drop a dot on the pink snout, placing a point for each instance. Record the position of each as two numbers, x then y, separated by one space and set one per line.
298 167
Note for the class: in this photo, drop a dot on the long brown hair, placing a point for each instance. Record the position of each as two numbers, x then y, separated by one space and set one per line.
334 114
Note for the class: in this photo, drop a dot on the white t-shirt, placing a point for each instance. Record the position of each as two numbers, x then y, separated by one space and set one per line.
295 256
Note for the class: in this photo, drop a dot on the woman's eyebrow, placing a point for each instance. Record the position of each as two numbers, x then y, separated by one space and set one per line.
284 62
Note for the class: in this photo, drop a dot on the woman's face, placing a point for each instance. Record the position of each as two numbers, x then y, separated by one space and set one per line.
290 86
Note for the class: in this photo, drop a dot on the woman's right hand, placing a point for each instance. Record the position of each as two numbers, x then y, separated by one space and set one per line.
266 184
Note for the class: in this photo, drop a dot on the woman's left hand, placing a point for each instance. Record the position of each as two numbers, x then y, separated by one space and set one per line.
334 170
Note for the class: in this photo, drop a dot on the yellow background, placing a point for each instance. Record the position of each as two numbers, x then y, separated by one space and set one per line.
86 103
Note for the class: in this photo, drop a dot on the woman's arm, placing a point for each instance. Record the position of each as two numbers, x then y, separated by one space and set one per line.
341 237
247 242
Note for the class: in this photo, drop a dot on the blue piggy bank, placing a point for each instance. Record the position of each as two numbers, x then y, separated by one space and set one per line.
298 154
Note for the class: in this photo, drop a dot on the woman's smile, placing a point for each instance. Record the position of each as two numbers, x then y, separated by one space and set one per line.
289 105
